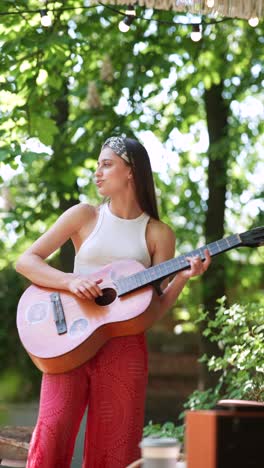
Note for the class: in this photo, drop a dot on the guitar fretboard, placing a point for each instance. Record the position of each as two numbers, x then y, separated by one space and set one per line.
159 272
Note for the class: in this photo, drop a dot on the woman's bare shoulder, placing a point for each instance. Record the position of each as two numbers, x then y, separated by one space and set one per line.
159 229
68 225
83 208
80 212
160 240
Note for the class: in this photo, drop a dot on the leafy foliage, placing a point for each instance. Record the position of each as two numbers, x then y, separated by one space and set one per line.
239 333
60 87
168 429
19 379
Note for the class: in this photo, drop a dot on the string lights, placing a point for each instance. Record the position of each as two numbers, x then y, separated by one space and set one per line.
196 34
253 21
45 19
129 17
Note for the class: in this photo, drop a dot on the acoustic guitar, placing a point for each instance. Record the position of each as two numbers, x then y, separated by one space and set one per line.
61 331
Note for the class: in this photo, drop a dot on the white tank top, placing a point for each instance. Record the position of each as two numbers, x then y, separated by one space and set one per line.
113 239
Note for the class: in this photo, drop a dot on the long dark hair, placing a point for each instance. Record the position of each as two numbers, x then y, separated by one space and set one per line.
143 177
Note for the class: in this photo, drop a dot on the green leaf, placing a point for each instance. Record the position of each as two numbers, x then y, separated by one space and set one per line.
29 156
45 129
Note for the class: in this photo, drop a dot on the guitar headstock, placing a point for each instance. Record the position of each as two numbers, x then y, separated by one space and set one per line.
253 238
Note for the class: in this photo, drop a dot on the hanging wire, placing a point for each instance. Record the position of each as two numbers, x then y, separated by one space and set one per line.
111 8
129 16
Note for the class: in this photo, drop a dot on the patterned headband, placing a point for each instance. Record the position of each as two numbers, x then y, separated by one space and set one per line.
117 144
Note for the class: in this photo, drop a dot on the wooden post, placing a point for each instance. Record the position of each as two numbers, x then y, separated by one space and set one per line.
14 444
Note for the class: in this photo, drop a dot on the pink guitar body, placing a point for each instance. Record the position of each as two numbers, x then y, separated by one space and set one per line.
89 325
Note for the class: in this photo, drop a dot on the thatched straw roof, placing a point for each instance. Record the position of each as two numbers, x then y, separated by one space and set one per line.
230 8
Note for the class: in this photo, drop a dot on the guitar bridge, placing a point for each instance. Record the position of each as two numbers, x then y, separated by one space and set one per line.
58 313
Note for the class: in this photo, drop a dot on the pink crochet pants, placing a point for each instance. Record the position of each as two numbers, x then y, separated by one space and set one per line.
113 385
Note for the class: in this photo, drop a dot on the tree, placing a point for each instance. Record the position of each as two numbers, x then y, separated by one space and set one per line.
61 88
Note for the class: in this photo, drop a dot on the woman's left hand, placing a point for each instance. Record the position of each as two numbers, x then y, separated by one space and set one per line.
197 266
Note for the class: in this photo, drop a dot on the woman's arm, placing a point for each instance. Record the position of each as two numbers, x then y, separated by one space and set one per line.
164 249
32 263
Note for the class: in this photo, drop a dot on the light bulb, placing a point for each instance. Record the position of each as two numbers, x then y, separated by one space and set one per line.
123 27
253 21
45 19
196 34
210 3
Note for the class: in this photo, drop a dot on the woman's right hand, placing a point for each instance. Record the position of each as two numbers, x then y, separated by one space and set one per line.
85 288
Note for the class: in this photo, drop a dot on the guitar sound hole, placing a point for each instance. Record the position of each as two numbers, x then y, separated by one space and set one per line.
108 297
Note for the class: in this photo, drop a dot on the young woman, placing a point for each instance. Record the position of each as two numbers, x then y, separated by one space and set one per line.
113 383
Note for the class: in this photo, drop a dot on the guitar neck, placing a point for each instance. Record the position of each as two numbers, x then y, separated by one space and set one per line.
157 273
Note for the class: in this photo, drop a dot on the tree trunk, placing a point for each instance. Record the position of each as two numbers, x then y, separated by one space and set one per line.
213 280
67 252
62 115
